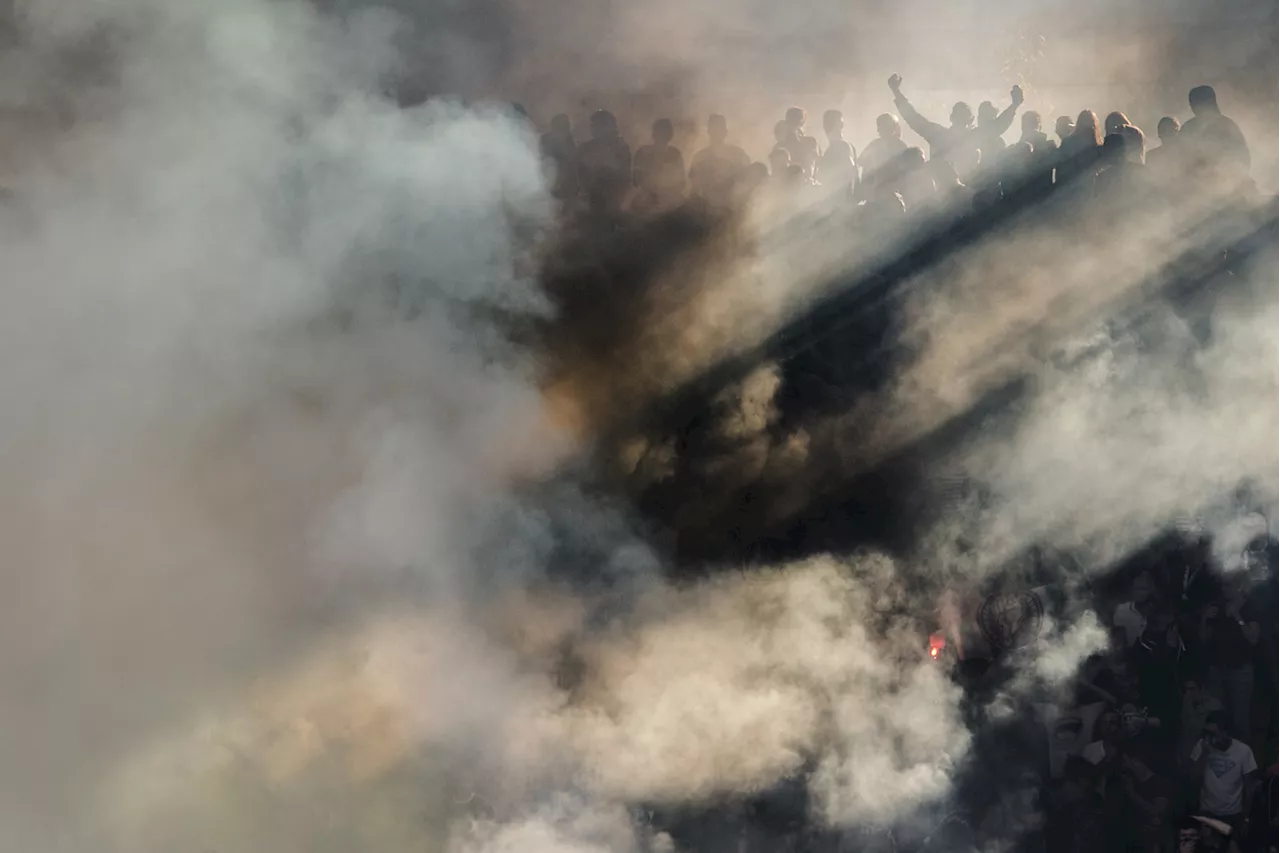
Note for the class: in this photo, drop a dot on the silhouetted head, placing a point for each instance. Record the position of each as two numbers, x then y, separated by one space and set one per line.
1114 122
961 115
757 173
1189 835
1030 122
987 113
911 160
779 160
603 125
795 118
888 126
1063 127
717 128
560 125
794 173
663 131
833 123
783 132
1203 100
1167 129
966 160
1135 144
1087 127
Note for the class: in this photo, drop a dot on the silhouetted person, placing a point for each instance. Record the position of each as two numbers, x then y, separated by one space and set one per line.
1044 152
559 152
1214 143
658 170
881 151
604 163
912 180
944 142
837 166
1064 127
1033 134
993 124
1162 159
1117 180
716 168
1081 150
1135 144
1016 161
803 149
1114 122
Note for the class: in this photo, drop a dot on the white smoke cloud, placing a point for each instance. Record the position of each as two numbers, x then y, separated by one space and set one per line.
275 584
243 401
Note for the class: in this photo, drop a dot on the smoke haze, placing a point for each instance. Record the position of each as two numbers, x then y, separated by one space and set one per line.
302 554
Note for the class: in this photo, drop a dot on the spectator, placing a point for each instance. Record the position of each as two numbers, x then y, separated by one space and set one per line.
1044 151
1197 705
1213 138
1150 799
1167 133
1229 630
604 163
802 148
1064 128
1082 150
717 167
1226 770
1189 836
559 152
993 124
1155 657
1135 145
1120 185
837 167
658 170
1114 122
912 180
1131 616
943 141
882 150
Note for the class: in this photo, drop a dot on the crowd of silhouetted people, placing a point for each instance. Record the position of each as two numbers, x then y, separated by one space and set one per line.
1168 743
968 163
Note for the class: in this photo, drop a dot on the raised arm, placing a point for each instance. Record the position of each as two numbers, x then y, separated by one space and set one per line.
928 130
1004 121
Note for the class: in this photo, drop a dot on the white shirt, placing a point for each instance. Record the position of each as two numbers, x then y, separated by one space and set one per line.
1128 618
1222 791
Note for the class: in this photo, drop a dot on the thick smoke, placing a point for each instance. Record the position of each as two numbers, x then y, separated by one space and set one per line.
262 420
300 560
246 397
